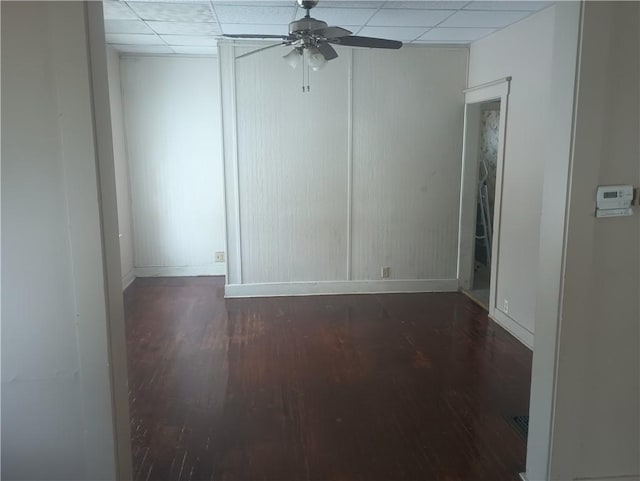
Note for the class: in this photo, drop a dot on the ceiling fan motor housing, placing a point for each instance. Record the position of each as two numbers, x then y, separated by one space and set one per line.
305 24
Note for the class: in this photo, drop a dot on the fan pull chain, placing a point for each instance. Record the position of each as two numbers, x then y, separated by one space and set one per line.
305 66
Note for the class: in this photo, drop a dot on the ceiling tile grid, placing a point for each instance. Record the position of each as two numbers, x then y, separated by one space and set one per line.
194 26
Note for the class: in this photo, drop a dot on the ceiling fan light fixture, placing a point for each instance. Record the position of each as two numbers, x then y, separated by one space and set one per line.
316 59
293 58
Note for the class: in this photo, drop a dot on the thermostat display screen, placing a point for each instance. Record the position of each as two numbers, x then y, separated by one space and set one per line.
610 195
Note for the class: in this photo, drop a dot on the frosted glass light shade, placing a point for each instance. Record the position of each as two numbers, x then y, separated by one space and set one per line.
316 59
293 58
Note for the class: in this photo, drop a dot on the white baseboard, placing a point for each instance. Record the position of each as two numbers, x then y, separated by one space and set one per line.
614 477
127 279
218 269
632 477
524 335
276 289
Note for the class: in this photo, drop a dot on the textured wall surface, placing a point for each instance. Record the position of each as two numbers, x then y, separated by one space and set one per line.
359 173
292 157
407 150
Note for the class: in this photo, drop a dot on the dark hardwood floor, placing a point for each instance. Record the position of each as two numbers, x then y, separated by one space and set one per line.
371 387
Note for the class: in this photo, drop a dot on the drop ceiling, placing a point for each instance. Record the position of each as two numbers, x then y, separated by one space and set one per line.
192 27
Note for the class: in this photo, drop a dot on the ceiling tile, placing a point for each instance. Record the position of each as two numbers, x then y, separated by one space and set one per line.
249 28
133 39
442 5
143 48
189 40
409 17
350 4
184 28
403 34
253 14
173 1
261 3
431 43
115 10
340 16
194 50
478 19
173 12
508 5
126 26
447 35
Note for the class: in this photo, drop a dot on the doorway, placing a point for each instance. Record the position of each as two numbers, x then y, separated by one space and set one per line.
485 201
481 188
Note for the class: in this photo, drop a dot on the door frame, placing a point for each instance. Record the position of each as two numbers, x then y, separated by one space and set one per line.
117 347
497 90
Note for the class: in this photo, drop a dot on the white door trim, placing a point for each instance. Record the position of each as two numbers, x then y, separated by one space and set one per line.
496 90
119 387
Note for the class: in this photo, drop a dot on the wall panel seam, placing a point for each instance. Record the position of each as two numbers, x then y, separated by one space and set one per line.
224 168
350 165
236 166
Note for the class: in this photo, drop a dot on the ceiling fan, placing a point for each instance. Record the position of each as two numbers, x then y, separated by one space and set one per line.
315 37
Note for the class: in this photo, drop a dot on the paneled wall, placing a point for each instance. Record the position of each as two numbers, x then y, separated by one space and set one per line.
172 118
292 152
407 131
325 188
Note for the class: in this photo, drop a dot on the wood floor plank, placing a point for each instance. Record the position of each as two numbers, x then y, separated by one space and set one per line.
370 387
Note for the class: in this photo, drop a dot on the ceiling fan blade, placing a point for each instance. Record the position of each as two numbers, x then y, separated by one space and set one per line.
261 49
254 35
331 32
327 51
355 41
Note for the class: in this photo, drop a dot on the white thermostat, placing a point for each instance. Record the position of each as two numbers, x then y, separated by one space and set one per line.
614 200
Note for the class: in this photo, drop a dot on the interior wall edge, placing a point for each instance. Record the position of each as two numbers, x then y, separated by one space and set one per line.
107 192
226 55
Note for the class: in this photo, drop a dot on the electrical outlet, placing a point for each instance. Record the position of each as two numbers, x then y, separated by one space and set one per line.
385 272
505 306
219 256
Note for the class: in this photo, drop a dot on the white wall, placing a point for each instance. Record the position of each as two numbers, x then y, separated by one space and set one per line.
524 52
597 406
557 159
121 162
172 119
324 188
57 420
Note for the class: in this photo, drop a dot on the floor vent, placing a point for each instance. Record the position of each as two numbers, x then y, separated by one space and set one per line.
521 425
